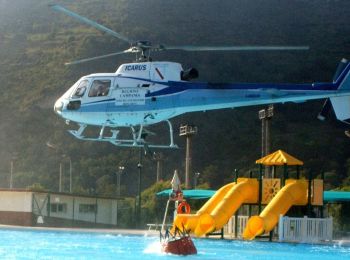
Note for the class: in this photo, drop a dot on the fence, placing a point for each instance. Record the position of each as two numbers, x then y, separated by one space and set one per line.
229 228
306 230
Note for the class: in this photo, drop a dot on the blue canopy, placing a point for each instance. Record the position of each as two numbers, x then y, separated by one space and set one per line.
328 196
336 196
189 194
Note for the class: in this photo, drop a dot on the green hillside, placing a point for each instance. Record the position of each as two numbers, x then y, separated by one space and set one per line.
35 42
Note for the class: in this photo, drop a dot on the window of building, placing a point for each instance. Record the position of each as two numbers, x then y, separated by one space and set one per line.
87 208
80 91
58 207
99 88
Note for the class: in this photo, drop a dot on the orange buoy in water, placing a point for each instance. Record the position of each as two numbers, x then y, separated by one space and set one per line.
179 243
179 246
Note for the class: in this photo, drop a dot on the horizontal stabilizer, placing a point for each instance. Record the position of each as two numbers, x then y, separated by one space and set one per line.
341 107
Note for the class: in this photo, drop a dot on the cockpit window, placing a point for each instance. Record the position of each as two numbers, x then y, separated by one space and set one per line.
99 88
80 91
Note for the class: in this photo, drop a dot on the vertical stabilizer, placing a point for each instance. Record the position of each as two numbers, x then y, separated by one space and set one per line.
341 77
341 104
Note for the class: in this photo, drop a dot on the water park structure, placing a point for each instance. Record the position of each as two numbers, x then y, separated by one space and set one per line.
277 194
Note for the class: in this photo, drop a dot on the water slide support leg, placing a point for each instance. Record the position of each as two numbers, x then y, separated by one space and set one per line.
298 172
322 207
236 224
236 214
250 206
260 187
309 195
270 235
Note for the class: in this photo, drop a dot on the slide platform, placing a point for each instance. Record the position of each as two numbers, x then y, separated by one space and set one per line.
216 212
293 193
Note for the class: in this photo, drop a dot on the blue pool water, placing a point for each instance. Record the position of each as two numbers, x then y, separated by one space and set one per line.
16 244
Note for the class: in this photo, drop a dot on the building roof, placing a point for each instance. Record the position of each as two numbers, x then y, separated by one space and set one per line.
328 196
62 193
279 158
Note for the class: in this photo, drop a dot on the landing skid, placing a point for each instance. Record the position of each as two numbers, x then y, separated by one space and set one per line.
137 137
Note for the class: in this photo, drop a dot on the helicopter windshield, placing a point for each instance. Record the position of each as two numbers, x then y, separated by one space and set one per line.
99 88
80 90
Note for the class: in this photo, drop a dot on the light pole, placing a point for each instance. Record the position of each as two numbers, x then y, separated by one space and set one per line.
158 157
119 173
60 179
70 171
70 175
139 166
11 174
188 131
265 115
13 158
58 151
196 176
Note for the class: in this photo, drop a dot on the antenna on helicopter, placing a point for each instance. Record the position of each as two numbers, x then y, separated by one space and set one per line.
144 48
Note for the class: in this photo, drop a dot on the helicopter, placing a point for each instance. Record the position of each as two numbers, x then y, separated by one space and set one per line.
146 92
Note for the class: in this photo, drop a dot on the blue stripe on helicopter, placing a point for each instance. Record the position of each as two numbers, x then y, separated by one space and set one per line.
272 89
190 98
183 85
179 86
176 87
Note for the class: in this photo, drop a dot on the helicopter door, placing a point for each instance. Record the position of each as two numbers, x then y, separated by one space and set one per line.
98 95
100 89
77 94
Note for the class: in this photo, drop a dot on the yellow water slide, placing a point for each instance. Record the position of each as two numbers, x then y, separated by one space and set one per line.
293 193
216 212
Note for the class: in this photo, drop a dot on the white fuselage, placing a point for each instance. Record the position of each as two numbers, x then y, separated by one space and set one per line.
150 92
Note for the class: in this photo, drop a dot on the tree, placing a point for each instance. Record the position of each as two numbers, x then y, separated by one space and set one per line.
153 208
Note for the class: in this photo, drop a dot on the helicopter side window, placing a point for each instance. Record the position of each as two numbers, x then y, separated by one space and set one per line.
80 91
99 88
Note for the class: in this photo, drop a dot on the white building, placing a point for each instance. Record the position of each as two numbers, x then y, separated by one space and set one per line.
32 208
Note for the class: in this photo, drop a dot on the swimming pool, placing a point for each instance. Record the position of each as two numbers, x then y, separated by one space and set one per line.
18 244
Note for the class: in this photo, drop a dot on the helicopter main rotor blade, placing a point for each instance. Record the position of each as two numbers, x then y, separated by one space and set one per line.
85 20
236 48
97 57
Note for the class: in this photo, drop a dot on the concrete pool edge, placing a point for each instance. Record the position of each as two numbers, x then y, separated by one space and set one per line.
143 232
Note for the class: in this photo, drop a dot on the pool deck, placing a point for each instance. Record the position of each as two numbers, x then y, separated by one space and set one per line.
87 230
